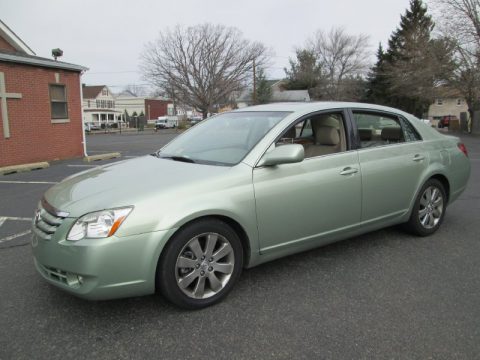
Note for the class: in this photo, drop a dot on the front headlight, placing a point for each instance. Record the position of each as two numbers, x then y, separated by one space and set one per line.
99 224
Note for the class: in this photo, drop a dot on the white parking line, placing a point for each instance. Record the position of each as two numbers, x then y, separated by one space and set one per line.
100 151
2 220
28 182
15 218
83 165
11 237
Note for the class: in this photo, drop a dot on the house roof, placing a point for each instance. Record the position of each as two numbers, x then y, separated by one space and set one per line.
277 96
21 58
91 92
290 95
14 40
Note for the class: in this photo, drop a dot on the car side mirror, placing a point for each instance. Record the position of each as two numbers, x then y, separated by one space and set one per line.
284 154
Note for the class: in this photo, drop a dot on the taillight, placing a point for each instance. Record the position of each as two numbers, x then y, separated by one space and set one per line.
463 148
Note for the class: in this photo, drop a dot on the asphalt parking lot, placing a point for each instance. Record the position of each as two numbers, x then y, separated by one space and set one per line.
381 295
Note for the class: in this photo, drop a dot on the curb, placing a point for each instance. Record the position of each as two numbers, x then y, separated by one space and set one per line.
23 167
102 157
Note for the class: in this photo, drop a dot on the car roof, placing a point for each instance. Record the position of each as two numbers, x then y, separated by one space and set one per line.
305 107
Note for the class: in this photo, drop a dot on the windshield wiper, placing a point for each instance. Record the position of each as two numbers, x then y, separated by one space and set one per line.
179 158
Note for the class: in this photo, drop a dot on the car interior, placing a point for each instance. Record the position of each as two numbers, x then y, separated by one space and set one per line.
378 130
320 135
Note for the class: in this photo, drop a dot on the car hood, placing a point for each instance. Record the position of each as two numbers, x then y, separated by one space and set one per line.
128 183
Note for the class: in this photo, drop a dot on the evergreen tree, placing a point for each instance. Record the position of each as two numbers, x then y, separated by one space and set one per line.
263 88
304 72
409 73
377 83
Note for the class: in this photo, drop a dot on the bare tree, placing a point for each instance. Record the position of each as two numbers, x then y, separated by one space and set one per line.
202 64
343 58
135 90
461 20
460 23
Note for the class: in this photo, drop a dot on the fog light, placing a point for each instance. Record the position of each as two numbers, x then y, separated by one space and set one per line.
74 280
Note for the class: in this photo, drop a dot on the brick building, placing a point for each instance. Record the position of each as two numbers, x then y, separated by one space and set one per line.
40 101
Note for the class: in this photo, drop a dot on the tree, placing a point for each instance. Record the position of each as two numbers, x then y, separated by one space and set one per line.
141 113
305 71
343 60
135 90
460 21
414 68
377 89
202 64
416 65
263 88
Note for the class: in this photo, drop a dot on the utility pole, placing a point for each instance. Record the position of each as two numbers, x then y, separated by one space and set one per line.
254 96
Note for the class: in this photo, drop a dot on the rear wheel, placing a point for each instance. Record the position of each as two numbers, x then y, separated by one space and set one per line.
429 209
200 264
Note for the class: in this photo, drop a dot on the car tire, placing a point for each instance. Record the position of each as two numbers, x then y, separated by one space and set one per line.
428 210
200 264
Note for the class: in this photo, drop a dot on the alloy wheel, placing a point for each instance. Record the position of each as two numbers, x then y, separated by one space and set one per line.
204 265
431 207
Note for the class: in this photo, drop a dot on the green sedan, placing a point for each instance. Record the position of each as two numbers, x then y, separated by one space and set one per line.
240 189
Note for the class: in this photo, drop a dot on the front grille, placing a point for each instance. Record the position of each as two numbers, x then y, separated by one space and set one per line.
47 220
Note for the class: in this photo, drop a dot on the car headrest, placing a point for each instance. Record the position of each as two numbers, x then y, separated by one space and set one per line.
365 134
391 134
327 135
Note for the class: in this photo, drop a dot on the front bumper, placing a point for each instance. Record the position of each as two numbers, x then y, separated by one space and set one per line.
99 269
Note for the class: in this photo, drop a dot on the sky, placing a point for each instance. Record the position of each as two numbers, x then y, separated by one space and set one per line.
107 36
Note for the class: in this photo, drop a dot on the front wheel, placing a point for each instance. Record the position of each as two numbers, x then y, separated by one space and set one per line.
200 264
429 209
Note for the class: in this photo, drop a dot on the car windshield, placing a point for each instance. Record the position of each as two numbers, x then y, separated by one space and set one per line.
224 139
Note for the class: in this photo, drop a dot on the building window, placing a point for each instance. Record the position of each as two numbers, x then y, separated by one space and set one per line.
58 101
459 102
439 101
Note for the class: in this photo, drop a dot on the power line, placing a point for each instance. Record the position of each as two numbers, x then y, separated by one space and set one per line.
112 72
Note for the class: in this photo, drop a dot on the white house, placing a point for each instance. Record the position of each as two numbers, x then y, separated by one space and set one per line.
450 105
99 105
130 103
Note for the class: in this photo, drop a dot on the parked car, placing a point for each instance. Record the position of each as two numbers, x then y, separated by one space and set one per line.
91 126
445 121
238 190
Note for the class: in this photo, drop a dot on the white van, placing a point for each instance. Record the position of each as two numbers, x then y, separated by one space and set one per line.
163 122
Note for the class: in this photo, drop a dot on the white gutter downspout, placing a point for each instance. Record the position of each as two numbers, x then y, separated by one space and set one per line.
83 122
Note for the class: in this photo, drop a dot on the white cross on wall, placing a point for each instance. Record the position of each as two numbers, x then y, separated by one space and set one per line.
3 104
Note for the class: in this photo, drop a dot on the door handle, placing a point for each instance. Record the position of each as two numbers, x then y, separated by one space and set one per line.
348 171
418 157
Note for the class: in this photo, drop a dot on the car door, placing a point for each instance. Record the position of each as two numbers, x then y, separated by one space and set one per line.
312 202
392 158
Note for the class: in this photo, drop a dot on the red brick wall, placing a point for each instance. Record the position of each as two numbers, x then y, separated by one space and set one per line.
33 137
4 45
157 108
